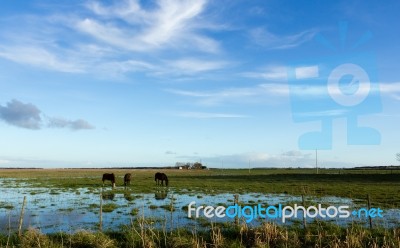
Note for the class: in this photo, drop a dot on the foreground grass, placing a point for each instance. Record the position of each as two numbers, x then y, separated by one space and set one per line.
382 186
141 234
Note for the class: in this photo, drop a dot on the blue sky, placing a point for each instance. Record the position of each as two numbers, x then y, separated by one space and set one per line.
151 83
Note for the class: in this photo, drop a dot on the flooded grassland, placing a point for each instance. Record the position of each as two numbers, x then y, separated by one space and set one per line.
71 200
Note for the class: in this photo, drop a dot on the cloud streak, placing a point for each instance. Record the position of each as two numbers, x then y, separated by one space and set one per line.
28 116
205 115
255 94
391 89
272 93
264 38
276 73
79 124
40 57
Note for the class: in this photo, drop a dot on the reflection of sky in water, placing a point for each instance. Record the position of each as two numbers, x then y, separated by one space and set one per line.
53 210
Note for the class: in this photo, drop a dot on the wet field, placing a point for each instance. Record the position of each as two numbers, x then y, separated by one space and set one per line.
70 209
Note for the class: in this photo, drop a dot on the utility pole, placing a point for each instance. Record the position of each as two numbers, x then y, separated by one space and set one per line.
249 166
316 159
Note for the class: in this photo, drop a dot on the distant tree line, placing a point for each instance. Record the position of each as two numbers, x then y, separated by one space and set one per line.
190 166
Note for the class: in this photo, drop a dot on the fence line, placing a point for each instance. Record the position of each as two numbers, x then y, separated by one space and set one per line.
21 217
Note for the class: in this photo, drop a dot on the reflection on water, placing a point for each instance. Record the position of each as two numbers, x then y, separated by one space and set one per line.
160 194
108 196
54 210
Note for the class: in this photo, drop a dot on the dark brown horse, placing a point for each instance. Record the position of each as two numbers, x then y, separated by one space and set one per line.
161 177
109 177
127 179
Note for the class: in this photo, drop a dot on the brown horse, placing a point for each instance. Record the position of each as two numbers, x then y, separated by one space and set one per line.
109 177
127 179
161 177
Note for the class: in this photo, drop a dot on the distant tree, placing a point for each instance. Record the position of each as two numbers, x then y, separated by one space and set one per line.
179 164
197 166
183 165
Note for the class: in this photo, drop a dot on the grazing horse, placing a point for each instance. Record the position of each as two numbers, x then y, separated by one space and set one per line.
127 179
110 177
161 177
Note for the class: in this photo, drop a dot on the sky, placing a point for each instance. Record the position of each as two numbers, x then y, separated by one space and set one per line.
231 84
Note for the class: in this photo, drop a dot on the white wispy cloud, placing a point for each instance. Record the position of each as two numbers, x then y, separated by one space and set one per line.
193 65
273 93
168 38
239 94
334 112
110 34
268 73
205 115
128 10
172 38
172 24
391 89
262 37
40 57
122 67
306 72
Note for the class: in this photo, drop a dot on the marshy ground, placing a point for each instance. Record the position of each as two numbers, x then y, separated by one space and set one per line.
71 196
